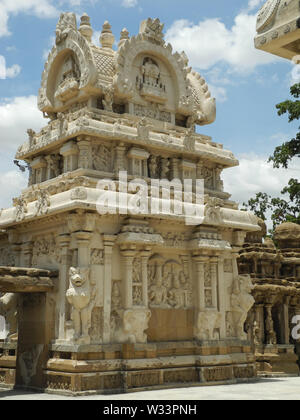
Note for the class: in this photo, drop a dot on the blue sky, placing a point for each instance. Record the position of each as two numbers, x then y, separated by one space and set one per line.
217 35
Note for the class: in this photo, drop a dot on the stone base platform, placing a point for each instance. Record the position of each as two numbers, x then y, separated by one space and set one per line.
275 360
8 356
125 368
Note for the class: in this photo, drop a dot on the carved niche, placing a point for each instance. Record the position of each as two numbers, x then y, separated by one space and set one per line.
102 156
149 82
69 80
169 284
45 251
7 257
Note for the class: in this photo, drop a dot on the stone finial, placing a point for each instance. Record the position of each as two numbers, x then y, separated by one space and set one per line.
287 235
257 237
107 38
123 37
85 27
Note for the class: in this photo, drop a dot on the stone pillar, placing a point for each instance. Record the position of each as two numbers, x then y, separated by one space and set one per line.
83 242
70 155
200 299
64 243
120 159
145 258
235 257
271 336
286 318
259 317
222 296
39 165
16 247
138 159
128 255
26 257
174 169
214 281
85 157
108 241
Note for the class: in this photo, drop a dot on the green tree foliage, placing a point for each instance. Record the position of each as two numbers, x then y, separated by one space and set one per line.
282 210
286 208
287 151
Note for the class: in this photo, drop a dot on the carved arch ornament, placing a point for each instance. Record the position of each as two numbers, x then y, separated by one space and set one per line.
76 44
136 46
192 94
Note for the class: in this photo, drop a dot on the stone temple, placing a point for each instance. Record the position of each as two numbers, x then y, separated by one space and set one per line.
124 300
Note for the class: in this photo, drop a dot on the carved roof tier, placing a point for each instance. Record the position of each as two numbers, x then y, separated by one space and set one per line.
127 129
278 26
143 71
288 235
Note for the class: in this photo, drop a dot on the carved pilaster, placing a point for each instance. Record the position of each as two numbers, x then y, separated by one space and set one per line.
200 280
222 293
145 258
64 244
127 259
214 281
108 241
174 169
85 155
120 159
70 153
286 318
271 336
27 251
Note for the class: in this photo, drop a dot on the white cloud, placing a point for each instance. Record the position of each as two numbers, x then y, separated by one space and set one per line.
253 4
11 185
16 116
39 8
8 72
218 92
211 42
255 175
47 51
129 3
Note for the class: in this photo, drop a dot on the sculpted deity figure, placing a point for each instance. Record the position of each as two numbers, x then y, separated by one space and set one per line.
54 163
43 203
31 135
177 294
108 99
153 167
158 293
165 168
116 299
81 297
8 309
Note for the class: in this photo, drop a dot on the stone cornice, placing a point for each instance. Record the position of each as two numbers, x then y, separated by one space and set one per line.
125 129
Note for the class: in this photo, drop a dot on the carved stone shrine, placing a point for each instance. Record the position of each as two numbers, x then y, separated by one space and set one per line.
275 273
141 300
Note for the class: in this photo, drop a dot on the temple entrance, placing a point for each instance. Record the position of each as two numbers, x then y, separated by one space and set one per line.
29 316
